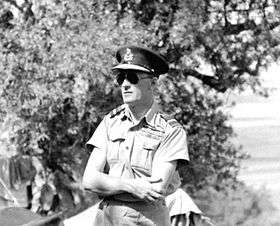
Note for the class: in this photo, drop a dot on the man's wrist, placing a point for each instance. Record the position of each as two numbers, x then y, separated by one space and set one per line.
126 185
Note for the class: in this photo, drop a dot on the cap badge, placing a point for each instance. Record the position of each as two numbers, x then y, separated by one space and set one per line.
128 57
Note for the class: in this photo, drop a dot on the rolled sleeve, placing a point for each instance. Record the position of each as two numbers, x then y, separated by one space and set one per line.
99 138
174 146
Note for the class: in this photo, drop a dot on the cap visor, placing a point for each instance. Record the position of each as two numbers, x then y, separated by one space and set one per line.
130 67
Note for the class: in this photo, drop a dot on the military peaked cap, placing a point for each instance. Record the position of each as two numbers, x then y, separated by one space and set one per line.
140 59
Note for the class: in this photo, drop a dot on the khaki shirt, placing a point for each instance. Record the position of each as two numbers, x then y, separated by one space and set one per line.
133 146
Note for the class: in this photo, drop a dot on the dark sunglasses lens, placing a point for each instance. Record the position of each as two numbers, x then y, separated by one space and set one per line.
120 78
132 77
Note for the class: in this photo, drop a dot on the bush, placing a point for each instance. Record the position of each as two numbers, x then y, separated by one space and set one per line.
241 206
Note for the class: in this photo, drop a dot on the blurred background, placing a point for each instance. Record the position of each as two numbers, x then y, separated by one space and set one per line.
222 86
256 120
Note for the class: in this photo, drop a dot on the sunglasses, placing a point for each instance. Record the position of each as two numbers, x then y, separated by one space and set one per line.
130 76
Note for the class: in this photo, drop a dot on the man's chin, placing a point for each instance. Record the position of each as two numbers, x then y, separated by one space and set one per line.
128 101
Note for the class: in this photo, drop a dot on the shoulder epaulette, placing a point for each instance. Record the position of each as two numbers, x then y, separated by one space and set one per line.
166 117
174 123
116 111
170 120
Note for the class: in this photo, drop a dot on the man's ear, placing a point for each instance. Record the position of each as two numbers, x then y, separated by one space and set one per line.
154 86
154 81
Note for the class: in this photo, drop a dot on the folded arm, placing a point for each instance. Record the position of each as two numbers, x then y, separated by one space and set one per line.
163 172
95 180
172 149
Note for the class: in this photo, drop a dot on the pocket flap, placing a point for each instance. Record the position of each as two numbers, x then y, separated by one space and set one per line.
115 136
151 144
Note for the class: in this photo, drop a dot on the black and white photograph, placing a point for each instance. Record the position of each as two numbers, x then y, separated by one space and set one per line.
141 112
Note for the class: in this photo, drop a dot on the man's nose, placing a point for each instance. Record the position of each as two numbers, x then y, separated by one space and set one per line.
126 84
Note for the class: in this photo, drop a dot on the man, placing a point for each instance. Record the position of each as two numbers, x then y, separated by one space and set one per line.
135 148
184 212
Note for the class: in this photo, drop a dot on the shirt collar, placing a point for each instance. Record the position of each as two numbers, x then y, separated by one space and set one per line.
151 113
149 116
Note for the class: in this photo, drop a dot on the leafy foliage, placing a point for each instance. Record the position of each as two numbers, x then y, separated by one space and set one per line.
215 161
55 82
239 206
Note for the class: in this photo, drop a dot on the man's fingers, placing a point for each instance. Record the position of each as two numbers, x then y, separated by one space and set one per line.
158 190
154 179
151 199
155 194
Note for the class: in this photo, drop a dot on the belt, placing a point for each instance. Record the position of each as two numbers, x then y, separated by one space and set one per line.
112 200
123 197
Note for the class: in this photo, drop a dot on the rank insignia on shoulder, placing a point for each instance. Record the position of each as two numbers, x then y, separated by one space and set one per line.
170 120
116 111
173 123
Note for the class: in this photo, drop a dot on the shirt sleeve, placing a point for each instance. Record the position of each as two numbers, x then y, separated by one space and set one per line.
174 146
99 138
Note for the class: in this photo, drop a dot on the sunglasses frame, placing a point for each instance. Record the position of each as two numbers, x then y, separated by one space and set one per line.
131 76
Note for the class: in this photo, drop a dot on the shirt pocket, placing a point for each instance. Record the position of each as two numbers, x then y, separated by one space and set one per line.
143 154
115 141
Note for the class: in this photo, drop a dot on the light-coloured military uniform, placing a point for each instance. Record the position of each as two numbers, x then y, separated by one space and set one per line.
132 148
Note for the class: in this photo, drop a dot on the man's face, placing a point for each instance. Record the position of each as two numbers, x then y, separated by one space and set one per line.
139 93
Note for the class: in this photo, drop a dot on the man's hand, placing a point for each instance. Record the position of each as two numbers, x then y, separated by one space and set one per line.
156 183
145 190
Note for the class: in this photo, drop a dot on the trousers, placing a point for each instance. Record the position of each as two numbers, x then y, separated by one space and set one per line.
115 212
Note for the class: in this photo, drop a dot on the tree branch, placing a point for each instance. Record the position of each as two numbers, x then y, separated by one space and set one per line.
213 56
234 29
251 72
14 3
212 82
25 9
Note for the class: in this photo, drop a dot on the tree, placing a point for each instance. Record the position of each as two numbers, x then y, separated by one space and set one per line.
56 84
233 39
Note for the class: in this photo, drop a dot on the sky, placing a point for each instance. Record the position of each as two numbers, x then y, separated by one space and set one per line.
256 121
252 110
